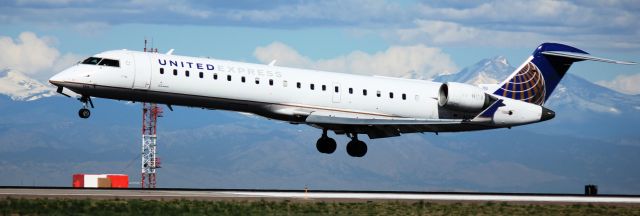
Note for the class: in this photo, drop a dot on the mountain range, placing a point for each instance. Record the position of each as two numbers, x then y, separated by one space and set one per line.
20 87
592 140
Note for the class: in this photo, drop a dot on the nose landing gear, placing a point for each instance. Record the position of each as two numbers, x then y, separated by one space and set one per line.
84 111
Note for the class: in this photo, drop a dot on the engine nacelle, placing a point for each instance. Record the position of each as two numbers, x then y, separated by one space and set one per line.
462 97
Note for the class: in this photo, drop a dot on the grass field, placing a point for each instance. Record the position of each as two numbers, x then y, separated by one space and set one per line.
12 206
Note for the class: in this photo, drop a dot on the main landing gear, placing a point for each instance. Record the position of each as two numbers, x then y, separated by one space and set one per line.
326 144
355 147
84 111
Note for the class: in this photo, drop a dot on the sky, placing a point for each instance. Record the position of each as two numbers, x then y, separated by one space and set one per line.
390 38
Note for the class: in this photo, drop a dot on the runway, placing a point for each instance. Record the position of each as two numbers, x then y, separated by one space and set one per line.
342 196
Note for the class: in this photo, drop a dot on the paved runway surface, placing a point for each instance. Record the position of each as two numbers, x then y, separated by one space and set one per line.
301 195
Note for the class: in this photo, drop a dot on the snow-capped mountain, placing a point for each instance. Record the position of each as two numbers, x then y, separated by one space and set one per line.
20 87
487 71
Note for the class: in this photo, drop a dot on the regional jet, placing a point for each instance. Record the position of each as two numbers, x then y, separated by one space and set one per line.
346 104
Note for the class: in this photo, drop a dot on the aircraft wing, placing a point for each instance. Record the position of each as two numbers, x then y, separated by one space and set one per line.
376 126
326 118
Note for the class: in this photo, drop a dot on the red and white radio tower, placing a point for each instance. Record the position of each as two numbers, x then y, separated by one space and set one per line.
150 161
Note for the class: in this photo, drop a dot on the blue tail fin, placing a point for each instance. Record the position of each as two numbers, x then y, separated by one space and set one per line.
537 77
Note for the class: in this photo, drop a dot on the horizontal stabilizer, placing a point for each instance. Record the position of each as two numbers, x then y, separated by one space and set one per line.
581 56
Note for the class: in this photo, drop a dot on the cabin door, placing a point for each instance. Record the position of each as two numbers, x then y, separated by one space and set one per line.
142 79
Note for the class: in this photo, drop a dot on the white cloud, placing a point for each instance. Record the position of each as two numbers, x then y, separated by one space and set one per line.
53 2
416 61
451 33
91 28
608 25
33 55
333 11
628 84
165 7
185 9
438 32
29 53
526 14
602 24
500 10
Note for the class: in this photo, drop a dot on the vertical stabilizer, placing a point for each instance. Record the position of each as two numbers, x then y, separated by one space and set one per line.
538 76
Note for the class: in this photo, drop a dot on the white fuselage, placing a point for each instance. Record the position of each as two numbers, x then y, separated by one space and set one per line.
275 92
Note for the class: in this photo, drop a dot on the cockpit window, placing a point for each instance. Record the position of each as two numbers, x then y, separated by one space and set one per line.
101 61
110 62
91 61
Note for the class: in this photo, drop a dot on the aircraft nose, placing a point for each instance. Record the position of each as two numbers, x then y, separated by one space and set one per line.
547 114
55 78
60 77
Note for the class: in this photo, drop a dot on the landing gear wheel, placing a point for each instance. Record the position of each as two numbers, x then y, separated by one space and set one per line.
86 101
84 113
326 145
320 145
356 148
331 147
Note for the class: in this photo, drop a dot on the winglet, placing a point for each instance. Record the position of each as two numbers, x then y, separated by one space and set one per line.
273 62
170 52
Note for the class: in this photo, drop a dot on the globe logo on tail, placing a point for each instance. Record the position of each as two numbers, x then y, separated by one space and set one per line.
526 85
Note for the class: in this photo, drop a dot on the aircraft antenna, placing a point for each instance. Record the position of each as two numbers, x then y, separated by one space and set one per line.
150 159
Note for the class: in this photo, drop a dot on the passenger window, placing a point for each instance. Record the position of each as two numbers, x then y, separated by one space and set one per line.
91 61
299 85
350 90
242 79
161 70
391 95
378 93
175 72
257 80
311 86
186 73
215 76
270 82
110 62
228 77
201 75
336 89
324 87
404 96
364 92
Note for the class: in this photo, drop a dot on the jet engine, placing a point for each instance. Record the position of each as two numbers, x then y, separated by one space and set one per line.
462 97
